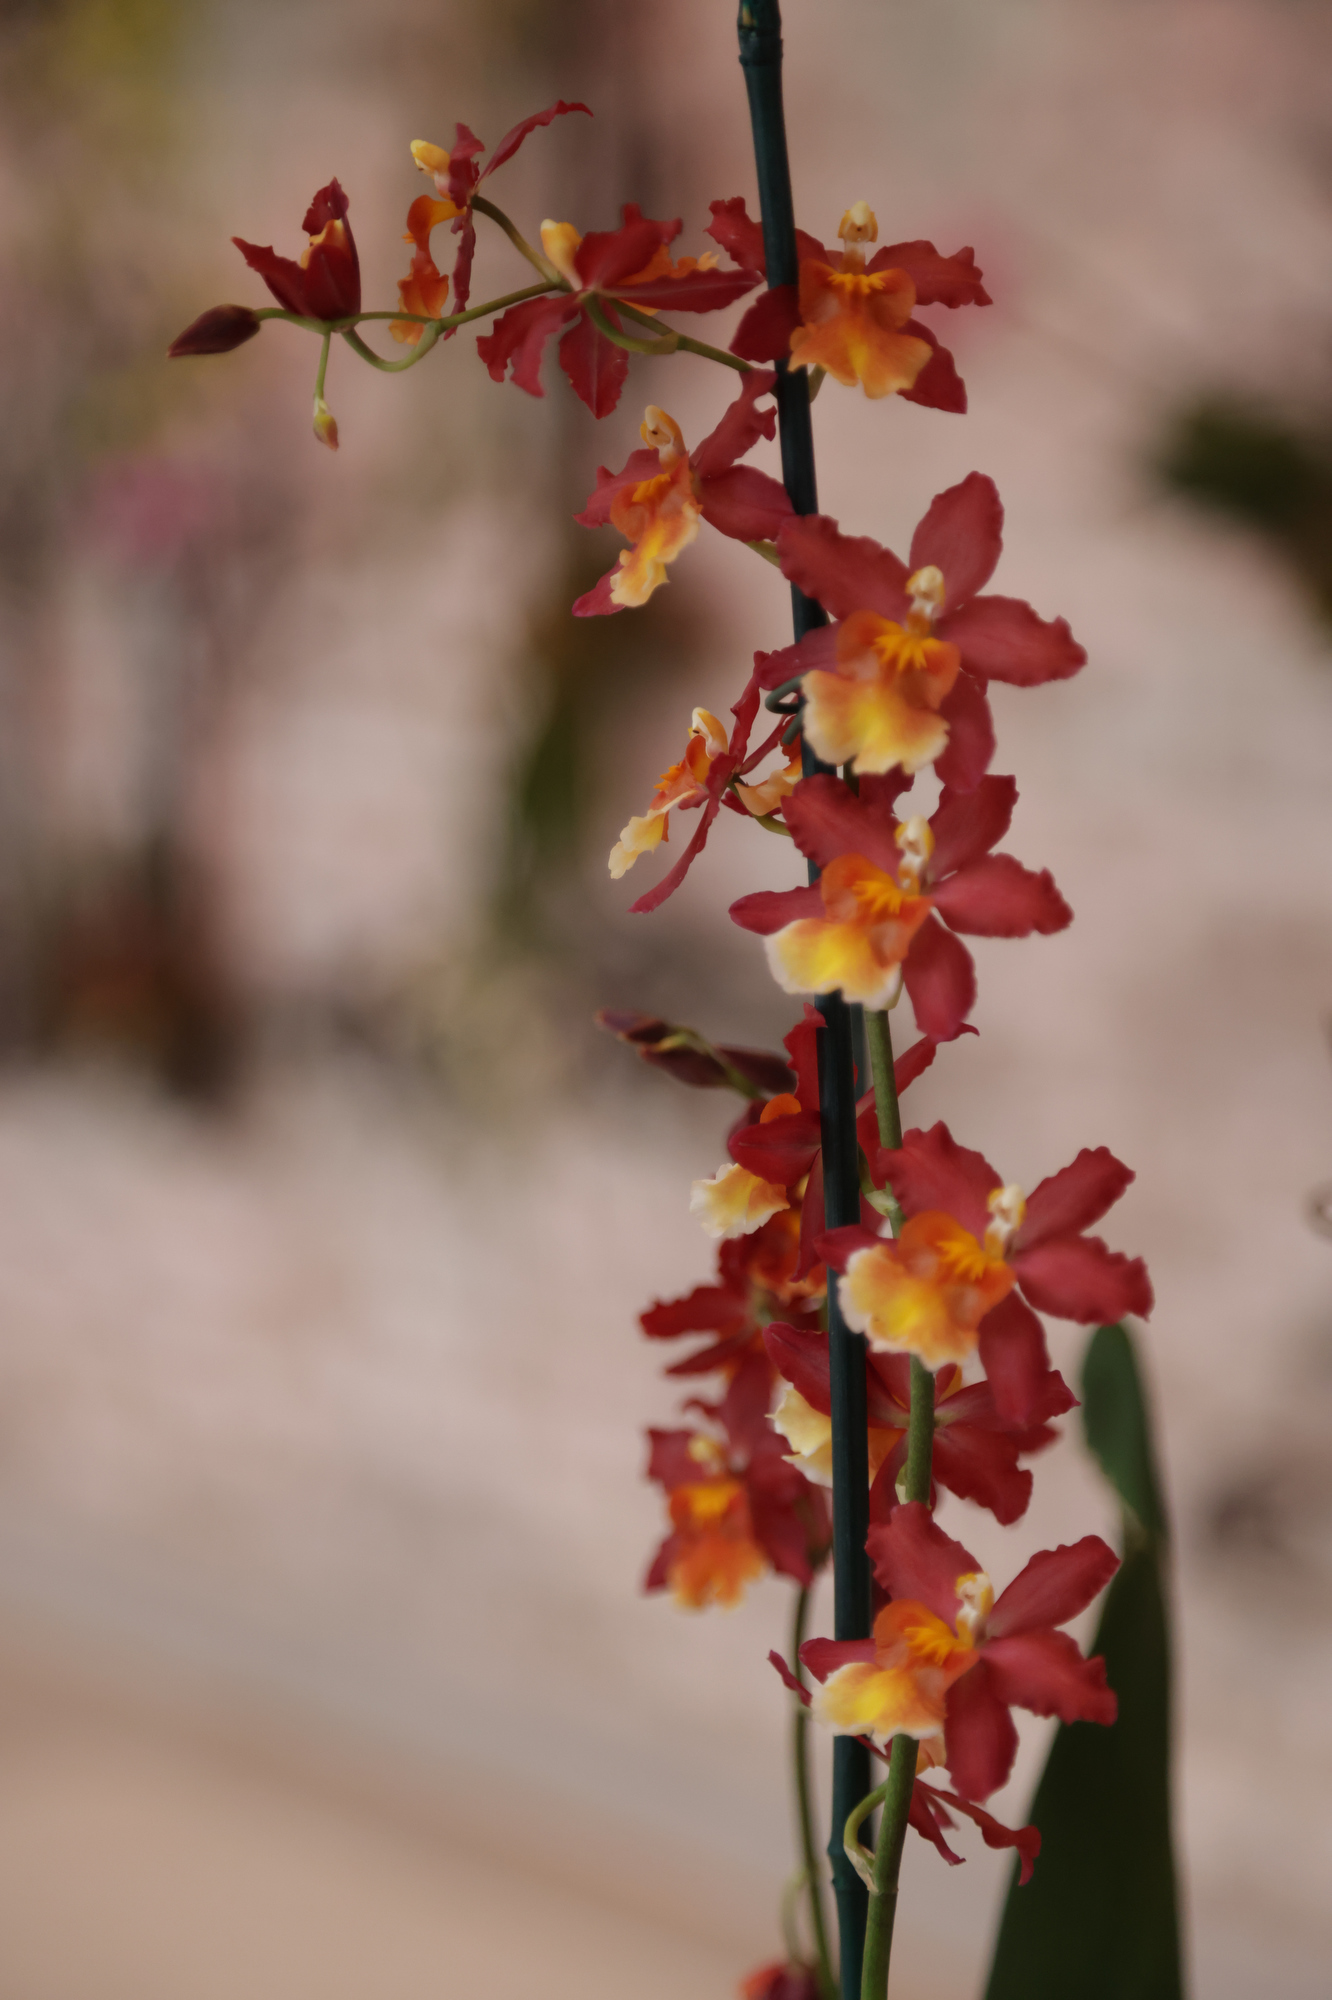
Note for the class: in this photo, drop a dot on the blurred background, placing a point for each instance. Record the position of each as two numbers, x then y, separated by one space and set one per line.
325 1214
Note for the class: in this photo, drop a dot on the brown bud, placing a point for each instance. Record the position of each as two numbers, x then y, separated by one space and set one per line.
216 332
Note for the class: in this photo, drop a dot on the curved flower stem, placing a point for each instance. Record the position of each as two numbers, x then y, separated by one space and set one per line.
919 1469
322 369
805 1810
860 1857
666 342
685 342
445 325
418 353
520 243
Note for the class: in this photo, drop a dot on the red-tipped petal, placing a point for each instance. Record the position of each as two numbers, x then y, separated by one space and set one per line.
979 1738
741 427
639 465
932 1171
518 339
1054 1587
1070 1201
938 385
787 1678
1015 1359
962 534
982 1465
1081 1278
914 1558
1002 639
598 602
707 1309
512 140
782 1151
1045 1673
595 366
997 897
846 573
1026 1839
939 280
606 257
940 979
746 504
737 232
822 1657
967 755
769 910
691 291
764 334
800 1356
827 819
967 824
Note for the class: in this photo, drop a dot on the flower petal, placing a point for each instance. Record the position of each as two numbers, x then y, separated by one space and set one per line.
741 426
982 1465
1045 1673
997 897
932 1171
967 824
513 139
966 757
639 465
938 385
1081 1278
913 1558
737 232
1054 1587
597 369
690 291
764 333
1015 1359
1026 1839
1002 639
769 910
606 256
824 1656
961 533
939 280
517 340
846 573
979 1735
746 504
1066 1203
940 979
827 819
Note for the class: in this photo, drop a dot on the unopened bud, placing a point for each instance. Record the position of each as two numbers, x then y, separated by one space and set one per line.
325 424
216 332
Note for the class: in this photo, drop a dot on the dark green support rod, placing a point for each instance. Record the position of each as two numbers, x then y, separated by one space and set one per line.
760 28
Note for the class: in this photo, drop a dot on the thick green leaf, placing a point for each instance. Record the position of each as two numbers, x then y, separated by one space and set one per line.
1099 1919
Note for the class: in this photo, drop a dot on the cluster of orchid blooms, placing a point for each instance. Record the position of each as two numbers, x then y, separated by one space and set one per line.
949 1264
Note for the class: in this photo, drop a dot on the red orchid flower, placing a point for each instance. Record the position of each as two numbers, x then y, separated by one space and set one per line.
976 1449
767 329
326 283
629 264
737 1508
758 1276
660 495
871 922
458 179
953 1281
945 1655
891 613
931 1811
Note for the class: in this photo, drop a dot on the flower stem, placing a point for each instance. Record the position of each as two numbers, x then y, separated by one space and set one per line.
418 353
919 1470
445 325
685 342
520 243
805 1809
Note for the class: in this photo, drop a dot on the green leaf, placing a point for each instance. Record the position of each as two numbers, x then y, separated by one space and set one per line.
1099 1919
